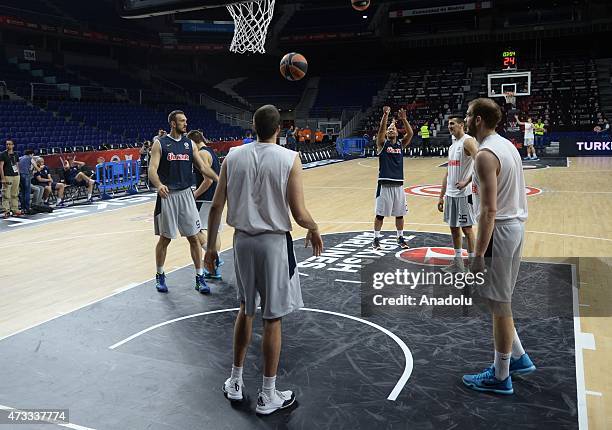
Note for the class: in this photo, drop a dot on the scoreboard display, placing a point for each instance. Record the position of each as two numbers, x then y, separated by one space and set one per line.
509 61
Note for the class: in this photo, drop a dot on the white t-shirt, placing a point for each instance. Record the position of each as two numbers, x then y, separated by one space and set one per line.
529 131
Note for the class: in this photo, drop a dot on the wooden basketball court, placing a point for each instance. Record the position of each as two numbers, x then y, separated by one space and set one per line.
52 269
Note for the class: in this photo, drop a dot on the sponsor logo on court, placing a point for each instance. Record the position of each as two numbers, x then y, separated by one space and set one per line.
429 255
434 190
353 254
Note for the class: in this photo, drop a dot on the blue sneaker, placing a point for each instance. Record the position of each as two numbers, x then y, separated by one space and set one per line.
487 382
200 285
522 365
160 282
215 276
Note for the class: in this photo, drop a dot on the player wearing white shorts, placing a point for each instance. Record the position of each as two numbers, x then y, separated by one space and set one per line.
456 194
529 138
390 196
262 184
501 205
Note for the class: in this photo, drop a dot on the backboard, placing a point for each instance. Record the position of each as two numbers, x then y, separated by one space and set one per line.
147 8
517 82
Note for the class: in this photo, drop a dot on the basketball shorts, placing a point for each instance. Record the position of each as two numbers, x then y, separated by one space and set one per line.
204 209
529 141
503 259
391 200
458 211
176 212
267 273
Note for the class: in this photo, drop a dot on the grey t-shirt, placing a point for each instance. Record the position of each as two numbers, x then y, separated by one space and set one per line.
257 176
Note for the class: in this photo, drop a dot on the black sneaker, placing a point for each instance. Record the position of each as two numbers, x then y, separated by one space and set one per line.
402 242
376 243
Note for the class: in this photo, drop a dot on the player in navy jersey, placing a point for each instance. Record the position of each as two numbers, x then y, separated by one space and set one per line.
205 190
171 173
390 196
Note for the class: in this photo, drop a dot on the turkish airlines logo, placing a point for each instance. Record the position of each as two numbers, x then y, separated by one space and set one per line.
434 190
594 146
177 157
429 255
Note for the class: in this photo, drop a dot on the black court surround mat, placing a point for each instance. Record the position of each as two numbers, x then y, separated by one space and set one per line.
342 369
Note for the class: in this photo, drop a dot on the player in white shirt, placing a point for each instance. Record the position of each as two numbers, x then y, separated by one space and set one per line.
456 194
501 206
529 138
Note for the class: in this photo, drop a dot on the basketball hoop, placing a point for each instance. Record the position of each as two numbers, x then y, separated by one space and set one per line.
251 21
510 97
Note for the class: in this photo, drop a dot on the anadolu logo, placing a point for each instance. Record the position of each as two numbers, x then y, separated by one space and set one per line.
434 190
429 255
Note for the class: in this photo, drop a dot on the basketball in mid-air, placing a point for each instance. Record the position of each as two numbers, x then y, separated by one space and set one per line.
360 5
293 66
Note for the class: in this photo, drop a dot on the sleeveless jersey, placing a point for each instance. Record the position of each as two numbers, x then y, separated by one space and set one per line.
391 163
176 164
216 166
511 195
460 168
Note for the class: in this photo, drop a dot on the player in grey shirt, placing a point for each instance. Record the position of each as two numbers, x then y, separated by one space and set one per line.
262 183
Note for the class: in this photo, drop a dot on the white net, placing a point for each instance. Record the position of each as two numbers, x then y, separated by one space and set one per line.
510 98
251 21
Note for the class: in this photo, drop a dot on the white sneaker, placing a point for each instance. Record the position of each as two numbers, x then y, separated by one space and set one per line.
456 266
279 400
232 388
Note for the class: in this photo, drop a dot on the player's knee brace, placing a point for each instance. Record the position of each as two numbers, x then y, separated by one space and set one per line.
399 217
380 217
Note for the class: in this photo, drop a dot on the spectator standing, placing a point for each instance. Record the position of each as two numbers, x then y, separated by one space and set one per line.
26 163
9 174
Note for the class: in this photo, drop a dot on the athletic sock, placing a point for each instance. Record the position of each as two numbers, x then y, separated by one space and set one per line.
160 270
200 271
458 253
400 233
517 347
471 254
236 373
502 365
88 196
377 233
269 385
